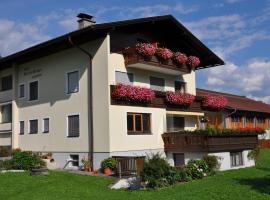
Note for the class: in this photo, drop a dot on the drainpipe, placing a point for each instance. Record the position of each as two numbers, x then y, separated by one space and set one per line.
90 100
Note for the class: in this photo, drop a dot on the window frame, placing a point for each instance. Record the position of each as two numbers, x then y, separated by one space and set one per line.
67 128
234 153
29 127
67 81
142 132
43 125
29 91
21 132
19 90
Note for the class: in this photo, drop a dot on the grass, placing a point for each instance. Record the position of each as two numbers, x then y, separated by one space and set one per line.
243 184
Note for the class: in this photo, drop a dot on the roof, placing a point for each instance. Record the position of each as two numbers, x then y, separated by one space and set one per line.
100 30
238 102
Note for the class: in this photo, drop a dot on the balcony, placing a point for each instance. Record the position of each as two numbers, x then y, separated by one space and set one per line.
134 60
5 127
6 96
201 143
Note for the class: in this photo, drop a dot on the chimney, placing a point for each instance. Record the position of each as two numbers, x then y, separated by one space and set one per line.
85 20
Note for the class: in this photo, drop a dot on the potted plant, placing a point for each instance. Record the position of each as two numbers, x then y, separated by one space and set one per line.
86 165
147 50
180 58
193 62
164 55
108 165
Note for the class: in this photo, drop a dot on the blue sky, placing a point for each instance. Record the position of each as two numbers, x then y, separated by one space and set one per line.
237 30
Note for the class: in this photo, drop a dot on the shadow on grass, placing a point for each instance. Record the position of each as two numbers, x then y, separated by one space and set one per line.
260 184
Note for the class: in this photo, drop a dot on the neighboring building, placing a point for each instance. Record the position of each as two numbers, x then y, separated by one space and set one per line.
56 96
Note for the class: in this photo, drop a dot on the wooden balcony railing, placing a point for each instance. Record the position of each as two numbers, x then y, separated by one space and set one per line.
133 59
202 143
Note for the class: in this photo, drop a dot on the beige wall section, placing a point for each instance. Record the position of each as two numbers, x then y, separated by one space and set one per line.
54 103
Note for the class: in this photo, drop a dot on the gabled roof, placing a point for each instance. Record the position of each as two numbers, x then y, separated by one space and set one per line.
100 30
238 102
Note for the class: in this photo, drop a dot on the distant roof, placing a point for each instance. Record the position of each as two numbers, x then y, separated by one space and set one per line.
209 58
238 102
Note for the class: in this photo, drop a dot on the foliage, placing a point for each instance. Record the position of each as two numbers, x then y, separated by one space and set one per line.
193 62
197 169
183 174
254 154
215 102
133 93
212 162
178 98
164 53
180 58
157 172
5 151
25 160
86 162
14 151
109 163
146 49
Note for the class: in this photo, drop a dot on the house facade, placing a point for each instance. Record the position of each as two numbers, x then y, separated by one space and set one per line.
58 96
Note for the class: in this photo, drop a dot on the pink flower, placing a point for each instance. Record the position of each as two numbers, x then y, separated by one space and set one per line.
164 53
215 102
133 93
146 49
193 62
180 58
178 98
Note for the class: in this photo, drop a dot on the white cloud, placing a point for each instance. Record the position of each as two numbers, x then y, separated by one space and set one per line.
233 1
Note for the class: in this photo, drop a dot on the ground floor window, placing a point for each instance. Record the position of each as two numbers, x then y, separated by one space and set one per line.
139 123
179 159
236 159
74 160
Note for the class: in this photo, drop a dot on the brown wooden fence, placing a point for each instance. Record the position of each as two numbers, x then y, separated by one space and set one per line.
264 143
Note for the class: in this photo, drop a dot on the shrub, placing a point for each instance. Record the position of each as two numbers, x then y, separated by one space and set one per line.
109 163
212 162
157 172
197 169
14 151
254 154
26 160
183 174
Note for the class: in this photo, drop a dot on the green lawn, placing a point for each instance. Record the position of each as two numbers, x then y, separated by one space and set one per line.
243 184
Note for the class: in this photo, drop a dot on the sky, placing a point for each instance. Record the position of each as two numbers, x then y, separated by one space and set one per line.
236 30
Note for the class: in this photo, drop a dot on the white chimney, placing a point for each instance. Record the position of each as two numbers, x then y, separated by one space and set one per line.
85 20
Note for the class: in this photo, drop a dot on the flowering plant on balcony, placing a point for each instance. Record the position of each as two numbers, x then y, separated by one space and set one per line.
164 53
215 102
133 93
177 98
180 58
146 49
193 62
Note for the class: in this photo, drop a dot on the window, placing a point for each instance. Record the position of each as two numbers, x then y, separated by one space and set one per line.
21 123
236 159
179 159
74 160
33 91
138 123
157 83
73 82
249 120
46 126
124 77
260 120
73 126
236 119
33 126
21 91
6 83
180 86
6 116
175 123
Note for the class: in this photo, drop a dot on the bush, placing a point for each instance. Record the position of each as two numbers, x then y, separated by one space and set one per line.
26 160
157 172
197 169
183 175
254 154
109 163
212 162
14 151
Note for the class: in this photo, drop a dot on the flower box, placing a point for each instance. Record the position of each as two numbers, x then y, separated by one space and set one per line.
214 102
181 99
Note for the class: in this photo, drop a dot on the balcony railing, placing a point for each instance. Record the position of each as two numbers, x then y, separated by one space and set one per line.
202 143
5 127
133 59
6 96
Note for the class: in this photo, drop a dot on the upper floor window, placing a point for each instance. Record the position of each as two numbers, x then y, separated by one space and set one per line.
21 124
175 123
33 91
73 82
124 77
21 90
260 120
138 123
249 120
6 83
180 86
46 126
6 113
73 126
33 126
236 119
157 83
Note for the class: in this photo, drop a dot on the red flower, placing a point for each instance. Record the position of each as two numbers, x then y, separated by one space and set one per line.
133 93
164 53
180 58
146 49
193 62
215 102
178 98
